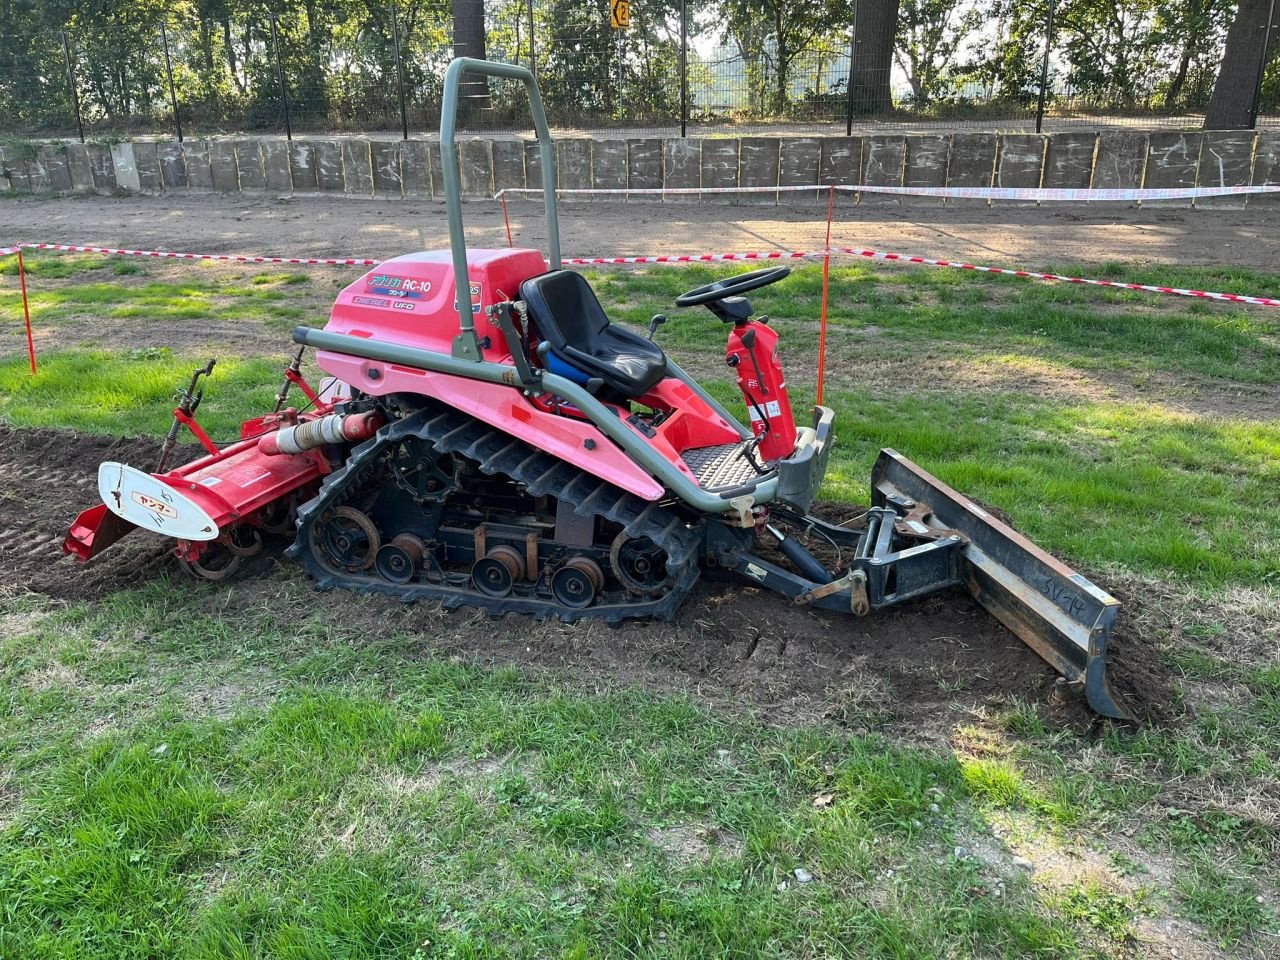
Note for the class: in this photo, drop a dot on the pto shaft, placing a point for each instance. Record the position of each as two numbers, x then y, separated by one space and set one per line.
335 428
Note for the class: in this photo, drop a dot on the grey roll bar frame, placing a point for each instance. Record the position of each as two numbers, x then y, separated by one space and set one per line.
466 346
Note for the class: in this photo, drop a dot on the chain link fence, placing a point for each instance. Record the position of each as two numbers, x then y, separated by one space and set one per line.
136 69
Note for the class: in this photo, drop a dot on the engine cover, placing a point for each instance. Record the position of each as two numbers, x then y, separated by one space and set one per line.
411 300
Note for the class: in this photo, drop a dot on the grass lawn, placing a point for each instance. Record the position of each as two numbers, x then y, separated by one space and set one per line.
240 772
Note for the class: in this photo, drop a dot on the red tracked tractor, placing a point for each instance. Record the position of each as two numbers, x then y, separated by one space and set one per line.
511 449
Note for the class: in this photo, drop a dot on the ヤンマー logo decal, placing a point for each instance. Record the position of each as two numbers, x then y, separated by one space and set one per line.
154 505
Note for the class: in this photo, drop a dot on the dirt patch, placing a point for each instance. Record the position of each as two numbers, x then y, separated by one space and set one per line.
51 677
1182 393
10 799
913 669
222 317
693 843
1058 865
1139 676
222 701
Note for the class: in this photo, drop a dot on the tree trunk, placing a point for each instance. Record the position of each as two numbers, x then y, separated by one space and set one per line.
1174 93
231 55
1193 26
783 65
1238 76
875 27
468 41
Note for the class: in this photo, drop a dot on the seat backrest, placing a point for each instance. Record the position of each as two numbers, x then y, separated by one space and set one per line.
564 309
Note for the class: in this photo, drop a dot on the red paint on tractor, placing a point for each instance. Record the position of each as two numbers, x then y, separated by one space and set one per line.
410 299
753 354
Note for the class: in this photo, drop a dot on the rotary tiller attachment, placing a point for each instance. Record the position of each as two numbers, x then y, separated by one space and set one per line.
217 507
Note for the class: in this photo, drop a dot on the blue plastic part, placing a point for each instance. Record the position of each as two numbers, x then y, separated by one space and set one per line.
564 368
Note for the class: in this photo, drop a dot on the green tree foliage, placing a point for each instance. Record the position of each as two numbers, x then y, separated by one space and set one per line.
772 34
930 35
1117 54
774 59
1190 35
1110 46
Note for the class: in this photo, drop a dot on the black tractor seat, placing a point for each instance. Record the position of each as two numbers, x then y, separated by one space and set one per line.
584 344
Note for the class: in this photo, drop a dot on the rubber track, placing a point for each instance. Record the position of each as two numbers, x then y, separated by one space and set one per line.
542 474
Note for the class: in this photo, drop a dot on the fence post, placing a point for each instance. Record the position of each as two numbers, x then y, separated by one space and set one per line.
533 60
71 84
848 92
173 92
395 40
284 93
1044 68
684 67
1262 67
619 39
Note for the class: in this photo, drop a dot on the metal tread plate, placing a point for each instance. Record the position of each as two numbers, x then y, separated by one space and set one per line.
722 466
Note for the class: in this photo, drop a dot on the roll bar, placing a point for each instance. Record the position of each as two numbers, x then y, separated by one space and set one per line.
466 346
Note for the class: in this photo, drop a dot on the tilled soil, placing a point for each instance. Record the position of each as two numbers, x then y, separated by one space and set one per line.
46 478
914 669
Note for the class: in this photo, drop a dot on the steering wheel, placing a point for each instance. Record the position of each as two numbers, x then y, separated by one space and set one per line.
732 286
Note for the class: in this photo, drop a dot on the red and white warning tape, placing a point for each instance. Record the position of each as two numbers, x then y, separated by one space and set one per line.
689 258
1057 278
1049 194
926 261
224 257
673 259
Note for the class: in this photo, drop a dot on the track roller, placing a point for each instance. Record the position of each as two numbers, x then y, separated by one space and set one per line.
398 560
496 572
577 582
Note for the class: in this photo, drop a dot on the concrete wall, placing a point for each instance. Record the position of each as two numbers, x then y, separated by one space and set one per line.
392 168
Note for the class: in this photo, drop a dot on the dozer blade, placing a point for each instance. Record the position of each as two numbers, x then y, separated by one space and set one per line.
1057 612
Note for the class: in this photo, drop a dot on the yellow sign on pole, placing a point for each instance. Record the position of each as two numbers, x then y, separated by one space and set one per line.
621 14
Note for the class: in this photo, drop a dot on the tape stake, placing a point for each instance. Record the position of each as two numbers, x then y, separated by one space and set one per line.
826 288
26 312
